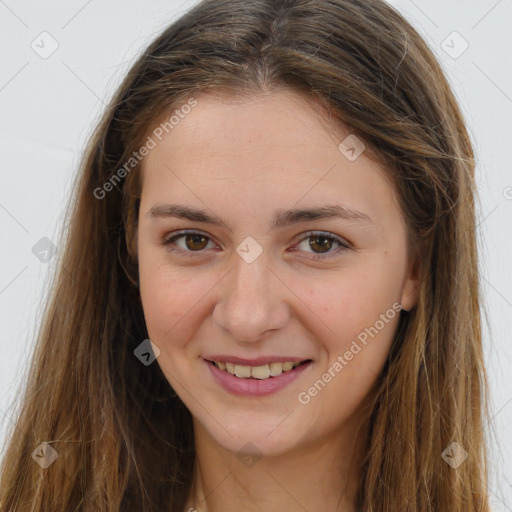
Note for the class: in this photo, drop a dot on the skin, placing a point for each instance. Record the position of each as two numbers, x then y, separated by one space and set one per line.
242 159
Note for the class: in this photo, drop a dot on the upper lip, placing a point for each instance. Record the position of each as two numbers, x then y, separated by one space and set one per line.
258 361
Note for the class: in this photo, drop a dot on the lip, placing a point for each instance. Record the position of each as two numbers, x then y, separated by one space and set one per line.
258 361
256 387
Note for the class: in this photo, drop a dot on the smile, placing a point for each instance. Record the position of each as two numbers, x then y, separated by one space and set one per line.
261 380
261 372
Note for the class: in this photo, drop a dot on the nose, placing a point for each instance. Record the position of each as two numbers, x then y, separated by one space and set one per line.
251 302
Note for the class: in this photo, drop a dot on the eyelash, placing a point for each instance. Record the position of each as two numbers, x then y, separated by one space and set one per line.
168 242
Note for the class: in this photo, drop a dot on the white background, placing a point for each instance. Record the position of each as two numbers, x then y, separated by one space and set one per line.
49 106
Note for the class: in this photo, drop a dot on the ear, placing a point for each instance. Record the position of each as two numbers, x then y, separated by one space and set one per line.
411 289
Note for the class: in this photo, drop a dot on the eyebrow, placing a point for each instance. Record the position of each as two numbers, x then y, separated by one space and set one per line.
281 218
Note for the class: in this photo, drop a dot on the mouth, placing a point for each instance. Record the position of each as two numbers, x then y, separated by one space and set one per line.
260 372
256 381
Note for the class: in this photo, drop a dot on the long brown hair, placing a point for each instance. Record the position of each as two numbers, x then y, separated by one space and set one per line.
124 439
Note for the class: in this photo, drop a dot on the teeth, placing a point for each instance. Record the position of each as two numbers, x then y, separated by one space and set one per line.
260 372
242 371
276 369
257 372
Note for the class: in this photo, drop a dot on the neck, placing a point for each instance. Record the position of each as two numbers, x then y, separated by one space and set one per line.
319 477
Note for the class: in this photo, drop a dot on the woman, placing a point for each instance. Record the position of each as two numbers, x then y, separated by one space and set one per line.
268 297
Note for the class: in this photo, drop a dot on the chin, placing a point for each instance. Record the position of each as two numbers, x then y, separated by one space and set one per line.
264 438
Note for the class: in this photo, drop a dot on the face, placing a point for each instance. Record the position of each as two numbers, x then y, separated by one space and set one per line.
260 242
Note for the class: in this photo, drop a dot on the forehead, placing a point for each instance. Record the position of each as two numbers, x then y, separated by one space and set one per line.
261 150
222 126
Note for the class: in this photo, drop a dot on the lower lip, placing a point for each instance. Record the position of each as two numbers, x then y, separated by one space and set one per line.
255 387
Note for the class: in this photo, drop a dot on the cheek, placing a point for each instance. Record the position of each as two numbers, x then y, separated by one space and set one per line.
352 299
358 311
169 301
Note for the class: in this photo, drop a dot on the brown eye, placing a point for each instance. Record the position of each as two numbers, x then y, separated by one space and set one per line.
321 243
196 242
187 243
